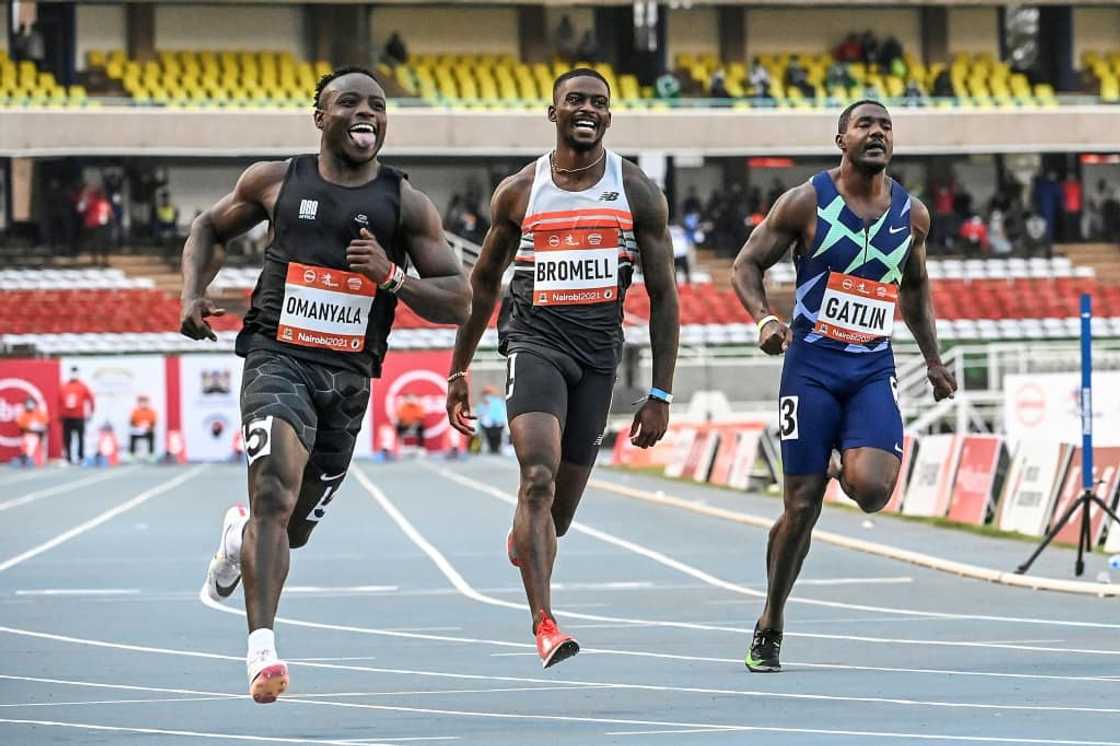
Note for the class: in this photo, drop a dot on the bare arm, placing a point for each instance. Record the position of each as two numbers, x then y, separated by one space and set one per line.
655 249
917 305
785 223
441 294
228 218
498 249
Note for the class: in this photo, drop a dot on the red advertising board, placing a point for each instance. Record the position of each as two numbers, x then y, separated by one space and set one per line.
21 380
422 375
1106 468
976 476
909 443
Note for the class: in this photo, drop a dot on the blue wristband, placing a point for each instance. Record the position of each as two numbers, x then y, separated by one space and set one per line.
665 396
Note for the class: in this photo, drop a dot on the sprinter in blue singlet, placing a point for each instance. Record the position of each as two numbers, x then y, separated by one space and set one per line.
859 246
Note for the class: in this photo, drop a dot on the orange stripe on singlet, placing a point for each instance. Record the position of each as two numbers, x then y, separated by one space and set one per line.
575 218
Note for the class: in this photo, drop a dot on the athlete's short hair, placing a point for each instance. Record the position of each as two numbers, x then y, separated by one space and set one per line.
579 72
842 123
338 72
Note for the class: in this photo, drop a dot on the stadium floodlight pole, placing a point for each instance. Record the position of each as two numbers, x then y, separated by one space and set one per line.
1088 497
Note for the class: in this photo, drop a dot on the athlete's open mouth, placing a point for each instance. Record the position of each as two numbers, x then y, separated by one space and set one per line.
585 124
363 134
876 147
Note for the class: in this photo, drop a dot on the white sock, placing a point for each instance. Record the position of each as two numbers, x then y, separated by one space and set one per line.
261 640
233 537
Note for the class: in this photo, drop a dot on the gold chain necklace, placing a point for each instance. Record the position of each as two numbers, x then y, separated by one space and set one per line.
557 169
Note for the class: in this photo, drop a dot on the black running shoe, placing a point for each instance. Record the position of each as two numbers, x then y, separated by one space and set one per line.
763 653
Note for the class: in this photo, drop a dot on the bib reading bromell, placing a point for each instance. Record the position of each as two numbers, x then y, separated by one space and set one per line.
847 283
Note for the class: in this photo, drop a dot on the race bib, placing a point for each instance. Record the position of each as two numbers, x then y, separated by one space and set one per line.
575 266
327 308
856 310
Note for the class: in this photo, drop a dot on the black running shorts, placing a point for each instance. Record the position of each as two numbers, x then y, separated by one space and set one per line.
550 381
324 405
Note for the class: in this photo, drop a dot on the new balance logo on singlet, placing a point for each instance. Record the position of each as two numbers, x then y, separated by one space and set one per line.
308 208
608 196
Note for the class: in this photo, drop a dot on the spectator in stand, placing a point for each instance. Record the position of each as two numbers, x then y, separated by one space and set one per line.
410 419
974 233
667 85
913 94
167 222
943 85
565 36
396 53
717 86
890 51
75 408
944 217
691 202
682 247
797 77
869 43
838 76
114 192
1093 217
59 222
142 426
849 50
97 218
1047 200
32 423
997 235
1110 216
759 81
1071 209
491 413
1038 241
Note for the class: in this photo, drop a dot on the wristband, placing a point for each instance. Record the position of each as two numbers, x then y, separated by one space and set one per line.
393 281
665 396
766 320
456 376
935 363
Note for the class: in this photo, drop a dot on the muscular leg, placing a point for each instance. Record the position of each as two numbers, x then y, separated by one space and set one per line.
274 485
789 542
536 440
868 476
571 479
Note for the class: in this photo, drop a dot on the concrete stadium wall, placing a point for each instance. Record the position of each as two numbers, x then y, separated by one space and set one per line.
816 30
42 132
1095 29
974 31
274 27
99 27
446 30
693 31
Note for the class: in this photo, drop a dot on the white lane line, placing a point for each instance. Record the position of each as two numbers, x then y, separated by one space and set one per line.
855 581
114 702
58 489
30 474
666 732
341 589
103 517
522 679
489 690
747 591
464 588
395 739
167 732
79 592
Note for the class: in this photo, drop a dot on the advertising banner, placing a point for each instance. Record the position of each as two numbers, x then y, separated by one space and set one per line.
684 439
730 455
1106 475
209 387
1028 497
1047 406
976 478
21 380
413 377
932 481
116 382
909 445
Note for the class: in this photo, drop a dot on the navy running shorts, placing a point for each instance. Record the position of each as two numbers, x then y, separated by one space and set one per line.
835 399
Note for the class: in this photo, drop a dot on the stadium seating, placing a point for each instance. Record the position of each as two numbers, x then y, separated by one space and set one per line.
93 310
23 84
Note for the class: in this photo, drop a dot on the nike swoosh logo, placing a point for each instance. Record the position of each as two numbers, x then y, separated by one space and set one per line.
897 448
895 229
332 477
225 590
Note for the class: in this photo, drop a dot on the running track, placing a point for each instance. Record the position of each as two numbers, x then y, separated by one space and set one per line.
403 624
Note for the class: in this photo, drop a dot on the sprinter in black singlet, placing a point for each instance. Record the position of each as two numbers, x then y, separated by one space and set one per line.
574 223
343 228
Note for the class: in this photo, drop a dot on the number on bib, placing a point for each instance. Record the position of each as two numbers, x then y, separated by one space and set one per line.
787 417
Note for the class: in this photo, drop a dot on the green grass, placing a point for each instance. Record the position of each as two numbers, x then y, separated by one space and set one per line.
988 531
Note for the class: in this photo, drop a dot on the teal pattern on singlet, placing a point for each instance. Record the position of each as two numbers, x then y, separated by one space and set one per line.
844 243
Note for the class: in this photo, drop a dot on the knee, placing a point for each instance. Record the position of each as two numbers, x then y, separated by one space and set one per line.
801 515
872 495
538 483
272 498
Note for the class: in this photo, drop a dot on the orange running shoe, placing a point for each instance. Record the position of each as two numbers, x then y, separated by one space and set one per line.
510 551
269 680
552 644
